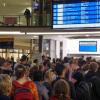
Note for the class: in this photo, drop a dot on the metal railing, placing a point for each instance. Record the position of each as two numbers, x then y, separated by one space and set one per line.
20 20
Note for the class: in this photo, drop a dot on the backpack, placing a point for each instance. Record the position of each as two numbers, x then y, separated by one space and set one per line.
83 91
22 92
95 88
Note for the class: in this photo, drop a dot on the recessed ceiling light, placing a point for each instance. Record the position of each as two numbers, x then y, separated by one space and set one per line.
11 33
35 36
87 35
4 4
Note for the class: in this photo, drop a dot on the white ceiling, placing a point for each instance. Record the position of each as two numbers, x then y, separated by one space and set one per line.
13 7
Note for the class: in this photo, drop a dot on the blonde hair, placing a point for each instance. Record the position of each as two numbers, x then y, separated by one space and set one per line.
61 89
5 84
94 66
47 74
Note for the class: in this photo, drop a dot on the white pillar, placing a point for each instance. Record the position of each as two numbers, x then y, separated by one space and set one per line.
65 48
52 49
57 49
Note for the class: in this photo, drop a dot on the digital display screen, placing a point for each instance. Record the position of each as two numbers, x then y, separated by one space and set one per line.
88 46
7 45
76 13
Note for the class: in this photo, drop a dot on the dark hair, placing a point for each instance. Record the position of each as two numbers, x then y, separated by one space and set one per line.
32 70
23 58
81 62
2 61
10 62
20 70
27 13
35 61
37 75
61 89
45 63
54 60
66 59
78 76
59 69
88 59
58 60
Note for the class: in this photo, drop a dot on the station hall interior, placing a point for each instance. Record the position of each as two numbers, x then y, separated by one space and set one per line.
50 49
40 34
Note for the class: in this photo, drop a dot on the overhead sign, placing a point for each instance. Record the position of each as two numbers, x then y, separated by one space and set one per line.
76 13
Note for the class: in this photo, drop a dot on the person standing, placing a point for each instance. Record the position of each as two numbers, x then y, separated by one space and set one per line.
27 14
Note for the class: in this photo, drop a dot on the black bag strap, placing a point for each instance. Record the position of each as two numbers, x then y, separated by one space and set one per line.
24 90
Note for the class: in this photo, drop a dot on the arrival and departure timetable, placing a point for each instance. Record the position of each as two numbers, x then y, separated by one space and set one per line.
79 14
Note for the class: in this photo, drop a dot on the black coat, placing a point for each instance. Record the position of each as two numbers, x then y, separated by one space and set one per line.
95 87
3 97
89 75
95 80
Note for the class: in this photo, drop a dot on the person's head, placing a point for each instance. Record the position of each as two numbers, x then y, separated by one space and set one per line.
66 65
32 70
66 59
81 62
36 61
98 63
53 60
50 75
20 71
94 66
27 13
5 84
73 64
88 60
77 77
49 59
24 59
61 89
86 67
1 71
58 60
46 64
7 64
60 70
2 61
12 59
37 76
43 58
41 68
10 63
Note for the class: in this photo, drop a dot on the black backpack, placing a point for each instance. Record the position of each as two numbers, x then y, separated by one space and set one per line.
95 88
83 91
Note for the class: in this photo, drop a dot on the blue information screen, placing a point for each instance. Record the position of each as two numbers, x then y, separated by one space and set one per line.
76 14
88 46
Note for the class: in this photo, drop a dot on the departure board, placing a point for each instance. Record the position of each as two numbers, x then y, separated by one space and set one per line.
88 46
76 14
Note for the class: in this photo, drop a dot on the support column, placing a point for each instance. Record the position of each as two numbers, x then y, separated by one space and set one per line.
41 13
40 44
53 49
31 48
57 49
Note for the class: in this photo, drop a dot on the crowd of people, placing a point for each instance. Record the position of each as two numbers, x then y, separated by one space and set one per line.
57 79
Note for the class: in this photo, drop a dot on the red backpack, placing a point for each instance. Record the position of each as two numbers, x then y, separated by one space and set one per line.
22 92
